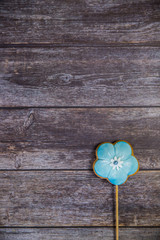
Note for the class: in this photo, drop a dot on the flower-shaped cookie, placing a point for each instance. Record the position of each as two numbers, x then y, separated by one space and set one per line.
115 162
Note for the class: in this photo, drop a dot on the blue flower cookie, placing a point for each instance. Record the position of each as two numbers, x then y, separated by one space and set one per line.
115 162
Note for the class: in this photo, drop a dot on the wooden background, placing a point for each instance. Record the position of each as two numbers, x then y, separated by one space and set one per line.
75 73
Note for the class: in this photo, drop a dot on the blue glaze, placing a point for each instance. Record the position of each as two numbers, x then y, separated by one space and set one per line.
115 162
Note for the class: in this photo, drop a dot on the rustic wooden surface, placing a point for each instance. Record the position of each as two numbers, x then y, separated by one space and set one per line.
66 138
78 233
77 198
80 22
73 74
112 76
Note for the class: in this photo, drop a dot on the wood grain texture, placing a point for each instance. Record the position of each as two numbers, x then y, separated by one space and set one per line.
78 233
80 22
111 76
78 53
76 198
67 138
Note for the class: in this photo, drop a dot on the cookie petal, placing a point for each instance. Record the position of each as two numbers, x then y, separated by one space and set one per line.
117 177
131 165
123 150
102 168
106 151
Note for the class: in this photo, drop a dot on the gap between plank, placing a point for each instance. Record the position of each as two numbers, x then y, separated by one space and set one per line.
63 227
65 170
50 45
72 107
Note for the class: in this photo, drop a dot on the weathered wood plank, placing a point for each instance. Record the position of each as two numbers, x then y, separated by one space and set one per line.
80 77
67 138
76 198
80 22
78 233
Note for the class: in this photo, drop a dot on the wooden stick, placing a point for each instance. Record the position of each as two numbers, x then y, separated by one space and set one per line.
117 220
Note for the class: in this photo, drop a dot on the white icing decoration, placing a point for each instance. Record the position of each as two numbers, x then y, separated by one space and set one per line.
116 163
